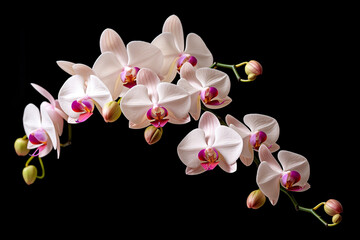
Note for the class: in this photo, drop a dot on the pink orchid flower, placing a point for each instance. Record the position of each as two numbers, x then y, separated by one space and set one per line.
171 43
211 86
55 112
263 130
40 130
81 93
118 65
293 173
154 102
210 145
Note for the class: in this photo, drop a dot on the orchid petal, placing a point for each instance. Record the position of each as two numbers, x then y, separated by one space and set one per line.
194 171
175 99
56 118
45 93
98 91
31 118
189 148
214 78
196 47
48 125
135 104
166 43
72 89
145 55
247 154
45 149
228 143
83 70
229 168
266 156
173 25
188 72
239 127
259 122
295 162
66 66
149 79
209 123
195 107
268 181
108 68
110 41
218 103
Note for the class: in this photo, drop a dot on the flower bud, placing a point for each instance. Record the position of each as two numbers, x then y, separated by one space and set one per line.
253 69
336 218
333 207
29 174
152 134
111 111
20 146
255 199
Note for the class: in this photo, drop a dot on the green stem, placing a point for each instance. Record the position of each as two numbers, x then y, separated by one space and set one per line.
232 67
41 164
69 137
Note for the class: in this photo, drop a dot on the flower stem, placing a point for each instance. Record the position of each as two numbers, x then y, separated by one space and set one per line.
41 164
69 137
232 67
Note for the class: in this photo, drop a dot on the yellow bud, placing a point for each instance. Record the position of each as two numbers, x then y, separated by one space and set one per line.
29 174
20 146
152 134
336 218
256 199
111 111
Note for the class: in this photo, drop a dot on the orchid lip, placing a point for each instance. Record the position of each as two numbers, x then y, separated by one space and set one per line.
257 139
208 94
209 158
157 116
289 179
38 136
185 58
128 76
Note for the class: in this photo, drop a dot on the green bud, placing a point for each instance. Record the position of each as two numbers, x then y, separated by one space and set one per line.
20 146
29 174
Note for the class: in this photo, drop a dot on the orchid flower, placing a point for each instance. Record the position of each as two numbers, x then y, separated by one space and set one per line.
210 145
171 43
118 65
40 130
263 130
211 86
154 102
293 173
55 112
81 92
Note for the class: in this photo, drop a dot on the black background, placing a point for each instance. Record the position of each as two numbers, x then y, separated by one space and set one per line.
109 181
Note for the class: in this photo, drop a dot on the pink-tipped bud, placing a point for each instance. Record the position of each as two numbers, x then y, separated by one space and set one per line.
152 134
20 146
111 111
256 199
333 207
29 174
253 69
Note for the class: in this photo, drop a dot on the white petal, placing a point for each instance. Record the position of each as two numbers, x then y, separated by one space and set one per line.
110 41
145 55
268 181
66 66
48 125
266 156
189 148
214 78
228 143
72 89
209 123
259 122
31 118
239 127
174 98
97 90
108 68
295 162
196 47
195 107
150 80
45 93
173 25
135 104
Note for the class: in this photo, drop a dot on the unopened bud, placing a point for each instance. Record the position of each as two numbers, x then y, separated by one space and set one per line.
333 207
29 174
111 111
336 218
20 146
255 199
152 134
253 69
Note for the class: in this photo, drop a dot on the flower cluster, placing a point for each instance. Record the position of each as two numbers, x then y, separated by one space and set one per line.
138 80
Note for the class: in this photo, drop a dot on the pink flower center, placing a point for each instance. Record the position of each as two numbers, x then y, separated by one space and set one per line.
256 139
209 158
157 116
185 58
289 179
84 106
128 76
38 137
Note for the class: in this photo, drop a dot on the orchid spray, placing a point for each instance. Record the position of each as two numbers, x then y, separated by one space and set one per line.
138 80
